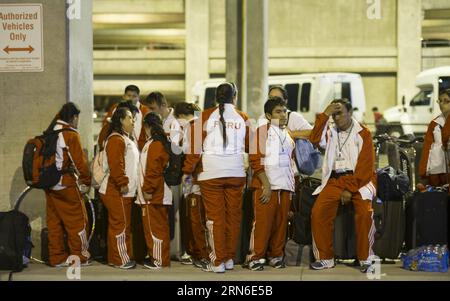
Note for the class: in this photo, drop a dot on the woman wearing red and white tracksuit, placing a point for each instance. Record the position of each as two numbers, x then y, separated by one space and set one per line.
222 139
119 187
432 168
154 195
65 206
131 95
196 239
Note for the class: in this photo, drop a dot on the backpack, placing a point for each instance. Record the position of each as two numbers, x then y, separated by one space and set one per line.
97 169
15 238
307 157
392 184
39 162
174 170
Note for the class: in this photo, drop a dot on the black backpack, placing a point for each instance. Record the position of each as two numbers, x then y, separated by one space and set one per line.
15 238
392 184
174 170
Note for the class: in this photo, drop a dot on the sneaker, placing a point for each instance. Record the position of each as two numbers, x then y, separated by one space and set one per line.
255 265
216 269
277 263
202 263
186 259
87 263
322 264
127 266
150 264
63 264
229 264
366 267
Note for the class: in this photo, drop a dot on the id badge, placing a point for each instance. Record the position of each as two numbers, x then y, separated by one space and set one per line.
341 164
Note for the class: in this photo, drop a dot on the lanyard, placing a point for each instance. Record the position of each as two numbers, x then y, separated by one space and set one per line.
346 139
281 141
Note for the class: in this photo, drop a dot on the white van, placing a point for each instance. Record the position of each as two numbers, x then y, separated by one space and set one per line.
413 117
309 94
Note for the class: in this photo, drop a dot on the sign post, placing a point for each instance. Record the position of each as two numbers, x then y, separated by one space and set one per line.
21 38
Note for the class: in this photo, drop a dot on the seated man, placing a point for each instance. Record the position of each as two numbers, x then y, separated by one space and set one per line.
348 175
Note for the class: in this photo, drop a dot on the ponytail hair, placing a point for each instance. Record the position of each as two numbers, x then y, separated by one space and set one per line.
225 93
117 117
67 112
154 122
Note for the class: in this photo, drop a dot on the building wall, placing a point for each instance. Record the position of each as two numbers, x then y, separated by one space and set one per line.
319 36
30 100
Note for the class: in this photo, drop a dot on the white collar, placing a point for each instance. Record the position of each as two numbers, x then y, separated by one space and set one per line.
170 114
440 120
62 122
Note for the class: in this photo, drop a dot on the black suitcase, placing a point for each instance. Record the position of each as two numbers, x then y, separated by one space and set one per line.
138 243
426 219
98 243
344 237
303 203
389 219
246 226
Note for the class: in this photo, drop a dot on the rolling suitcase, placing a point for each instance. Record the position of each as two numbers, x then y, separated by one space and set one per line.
389 219
246 226
138 243
98 244
344 239
302 204
427 219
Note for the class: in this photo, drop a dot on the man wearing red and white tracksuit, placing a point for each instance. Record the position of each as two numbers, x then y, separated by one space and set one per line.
348 175
274 183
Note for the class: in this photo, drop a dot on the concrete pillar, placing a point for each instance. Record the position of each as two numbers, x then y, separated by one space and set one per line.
235 64
409 24
257 16
31 99
247 52
197 43
80 74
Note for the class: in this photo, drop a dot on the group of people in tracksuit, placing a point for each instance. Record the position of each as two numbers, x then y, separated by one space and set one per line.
137 140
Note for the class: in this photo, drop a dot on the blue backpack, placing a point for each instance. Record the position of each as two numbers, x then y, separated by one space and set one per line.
307 157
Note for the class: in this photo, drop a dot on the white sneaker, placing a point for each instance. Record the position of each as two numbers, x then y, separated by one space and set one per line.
216 269
63 264
186 259
277 263
229 264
